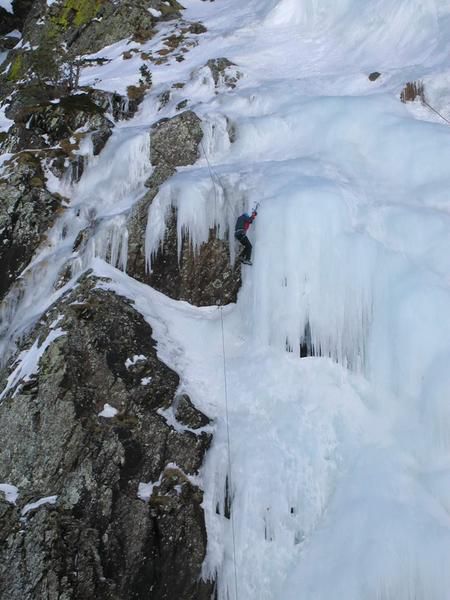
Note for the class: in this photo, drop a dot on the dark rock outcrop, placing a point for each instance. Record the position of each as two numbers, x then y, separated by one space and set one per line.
374 76
7 42
223 70
204 278
175 141
41 123
21 10
7 21
59 121
27 209
86 26
99 539
120 107
15 20
55 127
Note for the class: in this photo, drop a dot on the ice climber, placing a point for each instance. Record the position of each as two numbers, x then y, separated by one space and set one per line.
240 233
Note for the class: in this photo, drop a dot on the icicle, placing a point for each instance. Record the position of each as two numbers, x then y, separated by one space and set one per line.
109 186
200 204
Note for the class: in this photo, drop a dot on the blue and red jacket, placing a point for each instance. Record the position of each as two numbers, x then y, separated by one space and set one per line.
243 223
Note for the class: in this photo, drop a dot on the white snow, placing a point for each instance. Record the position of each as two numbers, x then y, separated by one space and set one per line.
146 380
340 462
154 12
5 124
55 322
145 490
10 491
34 505
130 362
108 411
27 363
6 5
3 158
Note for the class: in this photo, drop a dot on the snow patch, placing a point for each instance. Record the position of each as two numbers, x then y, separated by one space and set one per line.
154 12
10 491
145 490
5 124
27 363
130 362
34 505
108 411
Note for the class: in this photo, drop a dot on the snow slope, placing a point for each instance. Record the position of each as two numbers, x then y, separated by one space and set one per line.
6 5
340 464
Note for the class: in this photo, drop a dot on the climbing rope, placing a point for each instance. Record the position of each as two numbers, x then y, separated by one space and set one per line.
229 451
211 174
227 418
215 177
436 111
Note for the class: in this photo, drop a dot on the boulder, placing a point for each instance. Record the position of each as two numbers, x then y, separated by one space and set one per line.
175 142
374 76
107 534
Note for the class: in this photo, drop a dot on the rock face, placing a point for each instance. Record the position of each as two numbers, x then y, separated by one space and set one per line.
6 21
119 106
203 279
107 506
175 141
86 26
99 539
27 209
44 124
15 20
